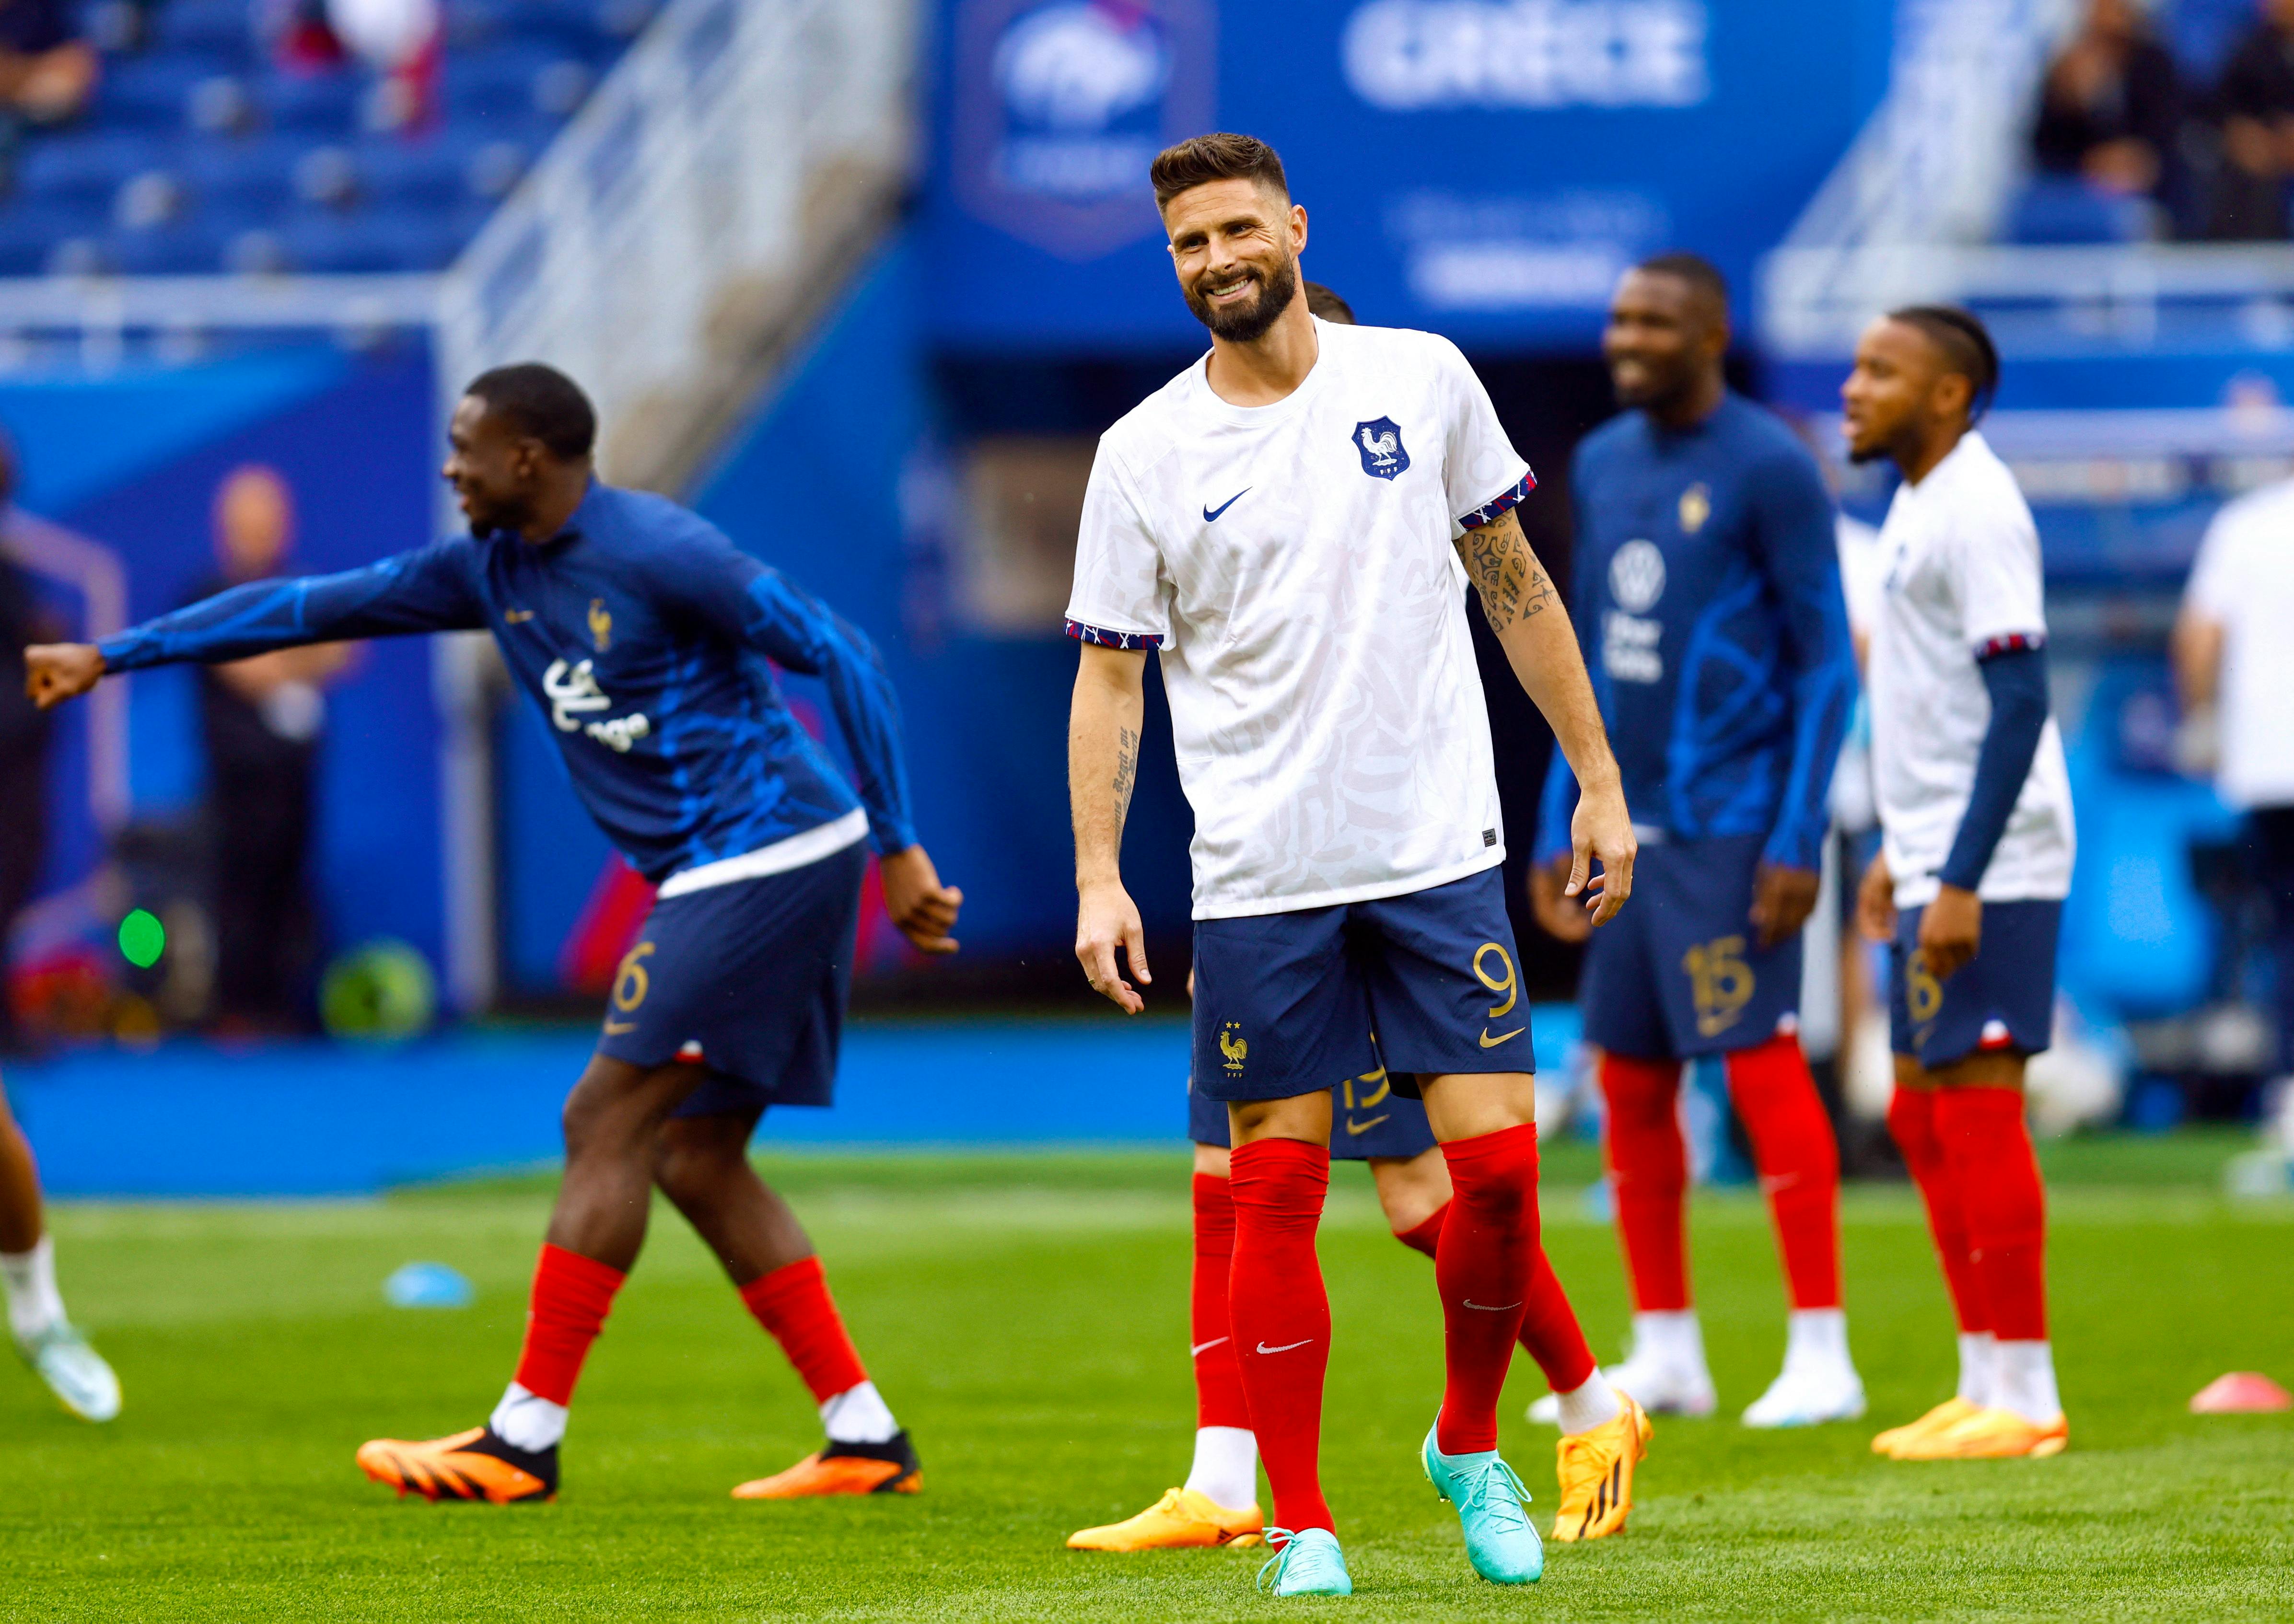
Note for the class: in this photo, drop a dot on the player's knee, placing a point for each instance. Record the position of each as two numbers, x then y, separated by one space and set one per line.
692 1158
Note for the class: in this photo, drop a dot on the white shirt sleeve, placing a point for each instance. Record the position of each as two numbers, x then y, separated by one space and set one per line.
1999 582
1482 474
1120 598
2213 575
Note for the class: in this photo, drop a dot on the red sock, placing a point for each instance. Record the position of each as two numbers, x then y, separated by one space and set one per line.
1799 1163
792 1304
1648 1174
1549 1332
1280 1316
571 1295
1988 1146
1487 1257
1912 1124
1218 1373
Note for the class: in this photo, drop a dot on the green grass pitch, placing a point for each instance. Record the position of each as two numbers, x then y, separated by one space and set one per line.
1026 1317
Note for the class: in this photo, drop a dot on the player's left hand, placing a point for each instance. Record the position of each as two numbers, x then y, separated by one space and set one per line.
1603 830
1782 901
919 903
1951 930
55 672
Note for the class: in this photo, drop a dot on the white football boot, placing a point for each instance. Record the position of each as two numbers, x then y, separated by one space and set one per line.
1818 1383
1665 1371
74 1371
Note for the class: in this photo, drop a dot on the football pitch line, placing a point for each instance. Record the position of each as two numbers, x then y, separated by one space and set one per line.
1026 1315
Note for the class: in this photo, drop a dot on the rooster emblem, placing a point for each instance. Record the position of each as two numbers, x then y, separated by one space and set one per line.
1379 443
601 625
1236 1049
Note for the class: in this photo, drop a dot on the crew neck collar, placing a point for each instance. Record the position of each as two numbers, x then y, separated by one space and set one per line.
1274 412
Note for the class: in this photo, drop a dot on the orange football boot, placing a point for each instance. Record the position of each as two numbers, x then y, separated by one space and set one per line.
843 1468
1951 1412
472 1466
1596 1470
1183 1518
1991 1435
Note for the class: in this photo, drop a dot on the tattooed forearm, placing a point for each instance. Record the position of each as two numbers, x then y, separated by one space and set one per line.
1127 771
1502 568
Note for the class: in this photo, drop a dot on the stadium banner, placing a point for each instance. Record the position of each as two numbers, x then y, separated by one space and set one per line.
1484 168
122 476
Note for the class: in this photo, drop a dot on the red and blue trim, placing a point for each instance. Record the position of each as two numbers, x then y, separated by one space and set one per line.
2010 643
1497 507
1131 640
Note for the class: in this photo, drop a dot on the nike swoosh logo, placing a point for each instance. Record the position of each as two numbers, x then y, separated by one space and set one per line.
615 1028
1361 1128
1486 1309
1285 1348
1210 515
1504 1037
1198 1349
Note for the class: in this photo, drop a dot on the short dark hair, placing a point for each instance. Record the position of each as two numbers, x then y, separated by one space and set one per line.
1962 340
1699 273
1328 305
540 402
1220 155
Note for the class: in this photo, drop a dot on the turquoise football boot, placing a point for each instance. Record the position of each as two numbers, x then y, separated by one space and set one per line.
1308 1564
1493 1508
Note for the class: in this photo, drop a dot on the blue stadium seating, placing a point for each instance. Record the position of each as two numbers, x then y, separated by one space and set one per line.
200 155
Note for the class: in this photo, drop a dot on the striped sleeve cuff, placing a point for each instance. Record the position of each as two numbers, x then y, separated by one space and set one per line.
2010 643
1132 641
1501 504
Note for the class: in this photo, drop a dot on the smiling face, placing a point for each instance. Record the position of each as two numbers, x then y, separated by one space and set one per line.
1665 338
1235 246
495 470
1902 392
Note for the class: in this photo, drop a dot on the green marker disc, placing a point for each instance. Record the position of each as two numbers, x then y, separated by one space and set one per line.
142 938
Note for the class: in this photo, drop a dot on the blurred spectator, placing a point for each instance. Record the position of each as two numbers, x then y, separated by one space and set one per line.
24 758
263 720
2112 110
2235 667
2256 102
48 72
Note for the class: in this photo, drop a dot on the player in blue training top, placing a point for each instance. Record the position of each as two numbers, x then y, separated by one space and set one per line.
645 637
1708 596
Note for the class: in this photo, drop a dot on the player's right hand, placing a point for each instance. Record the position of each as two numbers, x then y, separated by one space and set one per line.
1553 911
55 672
1603 830
1875 902
1106 919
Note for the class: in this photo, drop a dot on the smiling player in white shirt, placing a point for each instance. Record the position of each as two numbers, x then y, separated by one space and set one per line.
1977 842
1291 523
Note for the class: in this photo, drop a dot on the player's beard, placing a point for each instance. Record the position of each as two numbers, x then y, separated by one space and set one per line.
1249 323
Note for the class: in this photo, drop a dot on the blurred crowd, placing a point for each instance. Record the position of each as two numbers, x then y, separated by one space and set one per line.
2180 118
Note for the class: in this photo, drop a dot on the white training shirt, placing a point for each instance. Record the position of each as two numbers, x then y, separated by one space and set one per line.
2243 580
1294 565
1963 580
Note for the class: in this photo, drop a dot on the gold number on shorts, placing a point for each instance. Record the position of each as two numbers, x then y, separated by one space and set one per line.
1720 983
1923 993
1376 1081
630 982
1510 986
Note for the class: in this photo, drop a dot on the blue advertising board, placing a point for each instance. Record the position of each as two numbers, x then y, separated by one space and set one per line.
1481 167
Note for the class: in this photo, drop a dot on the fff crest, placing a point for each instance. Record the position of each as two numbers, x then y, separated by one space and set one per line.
1379 442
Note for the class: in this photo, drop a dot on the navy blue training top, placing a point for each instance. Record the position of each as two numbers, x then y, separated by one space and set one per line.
643 634
1708 603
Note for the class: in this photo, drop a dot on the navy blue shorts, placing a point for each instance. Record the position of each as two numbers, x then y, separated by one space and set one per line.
1286 1001
1675 974
750 979
2003 998
1367 1119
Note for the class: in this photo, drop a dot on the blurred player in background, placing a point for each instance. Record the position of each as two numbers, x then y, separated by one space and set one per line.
74 1371
1218 1505
644 635
1976 841
25 738
1292 522
262 721
1708 593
